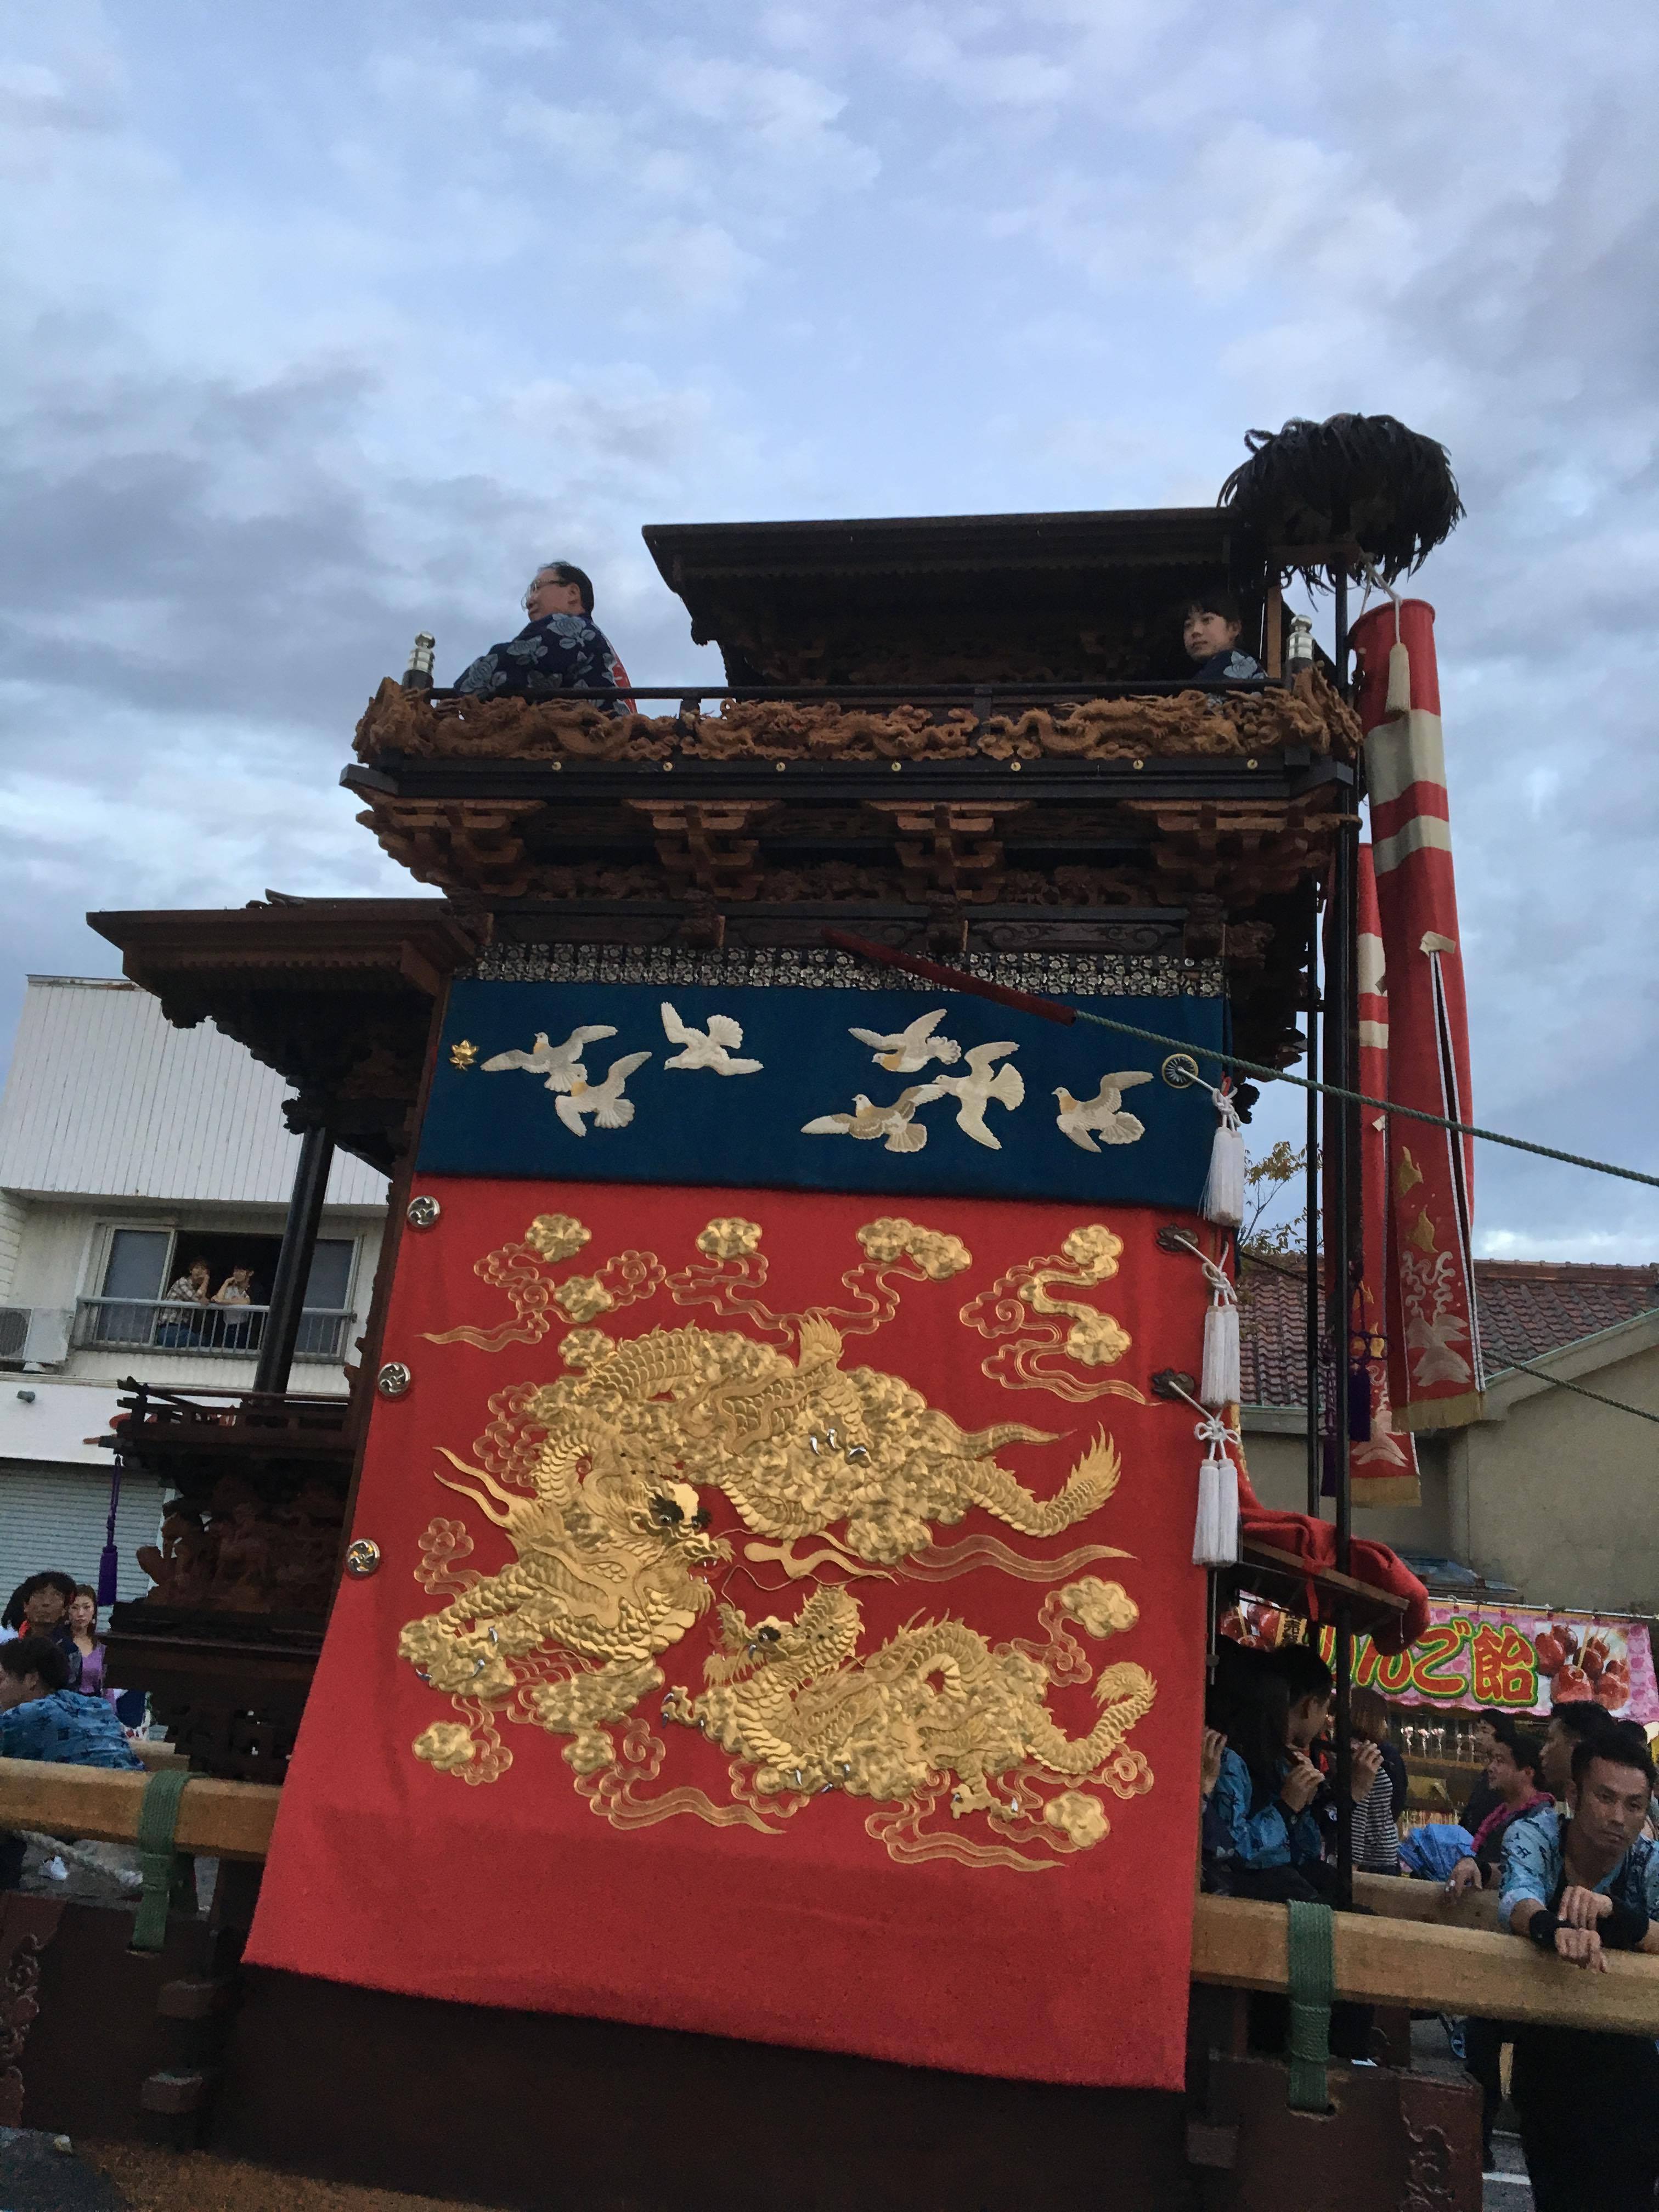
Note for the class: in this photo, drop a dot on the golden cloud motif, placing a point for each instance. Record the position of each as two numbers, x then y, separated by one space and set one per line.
729 1238
1095 1247
1103 1608
446 1744
1127 1773
1080 1817
938 1255
582 1297
557 1235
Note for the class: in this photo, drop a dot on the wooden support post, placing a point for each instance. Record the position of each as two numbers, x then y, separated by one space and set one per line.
288 1292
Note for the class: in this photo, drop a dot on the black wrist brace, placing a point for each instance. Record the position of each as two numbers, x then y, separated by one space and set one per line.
1542 1929
1624 1928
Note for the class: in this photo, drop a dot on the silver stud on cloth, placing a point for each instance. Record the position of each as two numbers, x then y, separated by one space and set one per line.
393 1380
362 1557
421 1213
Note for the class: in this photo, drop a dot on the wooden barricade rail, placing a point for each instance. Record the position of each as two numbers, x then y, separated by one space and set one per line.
1414 1946
219 1819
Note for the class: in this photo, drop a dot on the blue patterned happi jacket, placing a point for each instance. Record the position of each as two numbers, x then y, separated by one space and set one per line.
68 1728
559 653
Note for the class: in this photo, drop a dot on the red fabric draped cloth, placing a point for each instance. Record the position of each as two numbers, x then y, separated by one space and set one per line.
1435 1373
1315 1542
785 1629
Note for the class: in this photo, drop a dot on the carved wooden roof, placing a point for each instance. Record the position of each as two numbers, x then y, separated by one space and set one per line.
335 995
1048 598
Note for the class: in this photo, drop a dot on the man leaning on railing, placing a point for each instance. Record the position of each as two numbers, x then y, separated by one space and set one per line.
41 1717
1579 1887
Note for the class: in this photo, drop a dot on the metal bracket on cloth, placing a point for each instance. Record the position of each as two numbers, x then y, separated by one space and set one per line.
169 1875
1312 1984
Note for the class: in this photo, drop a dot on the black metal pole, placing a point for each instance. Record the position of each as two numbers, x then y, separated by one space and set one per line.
1315 1458
1342 1136
288 1292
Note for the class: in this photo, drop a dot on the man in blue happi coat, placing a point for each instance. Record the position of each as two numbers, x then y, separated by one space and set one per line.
560 649
1579 1887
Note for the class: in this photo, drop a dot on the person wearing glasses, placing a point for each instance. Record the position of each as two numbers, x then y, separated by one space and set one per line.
560 649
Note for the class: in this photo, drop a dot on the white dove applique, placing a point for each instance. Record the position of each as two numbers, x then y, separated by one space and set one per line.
711 1047
908 1050
604 1101
1102 1113
974 1092
560 1063
896 1123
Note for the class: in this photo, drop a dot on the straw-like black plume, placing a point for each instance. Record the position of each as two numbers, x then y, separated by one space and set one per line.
1362 476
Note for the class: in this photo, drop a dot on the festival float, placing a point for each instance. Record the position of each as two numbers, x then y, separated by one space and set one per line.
714 1715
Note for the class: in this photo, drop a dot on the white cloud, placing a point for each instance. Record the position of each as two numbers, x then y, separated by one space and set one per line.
309 343
699 263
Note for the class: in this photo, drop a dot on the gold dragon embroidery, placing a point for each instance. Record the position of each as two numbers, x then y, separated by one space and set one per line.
794 1699
594 1481
802 1446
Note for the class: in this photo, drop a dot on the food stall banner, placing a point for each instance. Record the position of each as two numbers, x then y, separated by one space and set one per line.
1479 1655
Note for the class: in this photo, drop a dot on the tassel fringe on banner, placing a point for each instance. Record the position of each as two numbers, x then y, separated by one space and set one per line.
1218 1384
1223 1202
1215 1533
1219 1380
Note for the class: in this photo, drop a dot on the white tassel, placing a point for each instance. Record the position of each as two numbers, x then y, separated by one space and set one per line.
1215 1534
1223 1202
1399 684
1220 1382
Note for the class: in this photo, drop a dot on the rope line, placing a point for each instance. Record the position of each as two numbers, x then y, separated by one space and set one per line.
1560 1382
1361 1098
1057 1010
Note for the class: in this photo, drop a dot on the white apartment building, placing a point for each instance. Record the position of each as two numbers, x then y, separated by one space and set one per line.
128 1150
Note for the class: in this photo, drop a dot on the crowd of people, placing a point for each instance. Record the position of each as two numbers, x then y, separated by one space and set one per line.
55 1703
1564 1827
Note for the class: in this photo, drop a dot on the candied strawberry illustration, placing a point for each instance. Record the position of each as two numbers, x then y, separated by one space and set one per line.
1553 1648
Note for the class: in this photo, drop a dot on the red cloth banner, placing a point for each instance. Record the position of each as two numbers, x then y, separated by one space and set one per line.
784 1628
1434 1347
1383 1468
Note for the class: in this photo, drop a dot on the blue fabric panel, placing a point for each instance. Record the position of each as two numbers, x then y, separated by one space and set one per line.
643 1119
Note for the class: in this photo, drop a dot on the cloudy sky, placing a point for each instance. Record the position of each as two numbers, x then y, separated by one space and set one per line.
323 325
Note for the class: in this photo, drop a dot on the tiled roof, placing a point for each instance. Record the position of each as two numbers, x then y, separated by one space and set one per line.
1528 1308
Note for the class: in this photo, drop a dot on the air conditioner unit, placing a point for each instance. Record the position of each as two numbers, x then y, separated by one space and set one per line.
38 1336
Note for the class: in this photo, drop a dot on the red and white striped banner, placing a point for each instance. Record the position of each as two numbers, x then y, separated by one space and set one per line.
1435 1372
1383 1466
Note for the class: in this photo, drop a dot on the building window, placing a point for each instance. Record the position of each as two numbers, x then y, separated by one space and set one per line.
209 1291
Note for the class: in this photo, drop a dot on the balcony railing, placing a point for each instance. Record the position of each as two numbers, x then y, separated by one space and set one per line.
215 1332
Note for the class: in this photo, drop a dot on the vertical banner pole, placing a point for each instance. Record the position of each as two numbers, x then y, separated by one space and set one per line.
1315 1457
1341 1039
